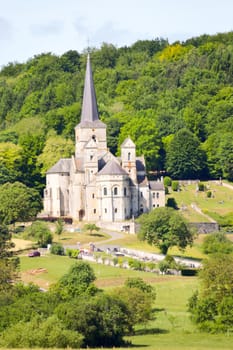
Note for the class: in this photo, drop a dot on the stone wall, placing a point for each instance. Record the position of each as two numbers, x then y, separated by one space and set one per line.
205 227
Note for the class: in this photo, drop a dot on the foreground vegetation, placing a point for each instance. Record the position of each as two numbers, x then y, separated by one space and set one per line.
172 327
127 296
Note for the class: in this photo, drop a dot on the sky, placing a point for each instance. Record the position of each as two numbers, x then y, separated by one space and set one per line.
32 27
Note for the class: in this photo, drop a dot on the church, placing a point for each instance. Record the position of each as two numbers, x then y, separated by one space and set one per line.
94 185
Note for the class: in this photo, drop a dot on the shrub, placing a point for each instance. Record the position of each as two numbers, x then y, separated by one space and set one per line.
39 231
175 185
171 202
72 253
57 249
166 190
217 243
209 194
189 272
167 181
136 265
201 187
151 265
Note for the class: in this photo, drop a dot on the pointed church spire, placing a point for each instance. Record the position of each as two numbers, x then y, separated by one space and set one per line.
89 108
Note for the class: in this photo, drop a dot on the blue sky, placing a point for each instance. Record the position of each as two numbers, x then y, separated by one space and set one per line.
30 27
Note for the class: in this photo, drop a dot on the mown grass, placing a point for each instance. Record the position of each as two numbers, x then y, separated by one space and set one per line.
132 242
170 330
220 203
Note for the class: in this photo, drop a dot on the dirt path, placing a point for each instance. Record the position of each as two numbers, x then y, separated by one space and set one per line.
114 236
198 210
227 185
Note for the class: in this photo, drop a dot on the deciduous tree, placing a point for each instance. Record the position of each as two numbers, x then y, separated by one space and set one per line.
185 159
165 228
18 203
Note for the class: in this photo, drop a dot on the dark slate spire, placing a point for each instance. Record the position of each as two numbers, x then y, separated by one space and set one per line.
90 113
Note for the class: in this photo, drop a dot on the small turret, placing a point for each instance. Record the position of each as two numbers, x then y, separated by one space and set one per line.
128 158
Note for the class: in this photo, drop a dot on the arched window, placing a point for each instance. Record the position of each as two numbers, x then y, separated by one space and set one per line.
115 191
94 138
157 195
105 191
125 191
129 156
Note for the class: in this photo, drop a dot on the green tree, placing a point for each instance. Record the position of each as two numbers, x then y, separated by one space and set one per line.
8 264
143 131
217 243
57 249
39 333
139 298
165 228
211 307
226 156
10 159
56 147
18 203
91 228
185 159
77 281
137 282
102 320
59 227
40 232
7 175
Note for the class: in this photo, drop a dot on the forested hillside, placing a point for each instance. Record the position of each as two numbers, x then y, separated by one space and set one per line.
175 101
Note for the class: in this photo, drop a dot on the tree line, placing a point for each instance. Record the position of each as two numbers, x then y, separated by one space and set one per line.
175 101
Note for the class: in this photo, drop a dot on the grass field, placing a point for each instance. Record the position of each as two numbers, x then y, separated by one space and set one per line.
171 329
220 203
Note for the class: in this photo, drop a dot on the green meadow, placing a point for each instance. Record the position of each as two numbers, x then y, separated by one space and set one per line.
171 328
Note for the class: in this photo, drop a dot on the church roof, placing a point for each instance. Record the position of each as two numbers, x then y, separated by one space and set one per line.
62 166
140 164
142 180
112 168
89 115
156 186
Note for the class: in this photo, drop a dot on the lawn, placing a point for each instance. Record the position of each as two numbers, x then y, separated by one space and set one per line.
221 201
132 242
170 330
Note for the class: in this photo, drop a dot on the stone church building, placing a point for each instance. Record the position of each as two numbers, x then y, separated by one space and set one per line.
94 185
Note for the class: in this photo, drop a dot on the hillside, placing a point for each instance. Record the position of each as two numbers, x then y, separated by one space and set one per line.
196 206
175 101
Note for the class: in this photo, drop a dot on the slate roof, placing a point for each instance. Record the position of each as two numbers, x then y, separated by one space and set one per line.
112 168
62 166
156 185
140 164
90 115
142 181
